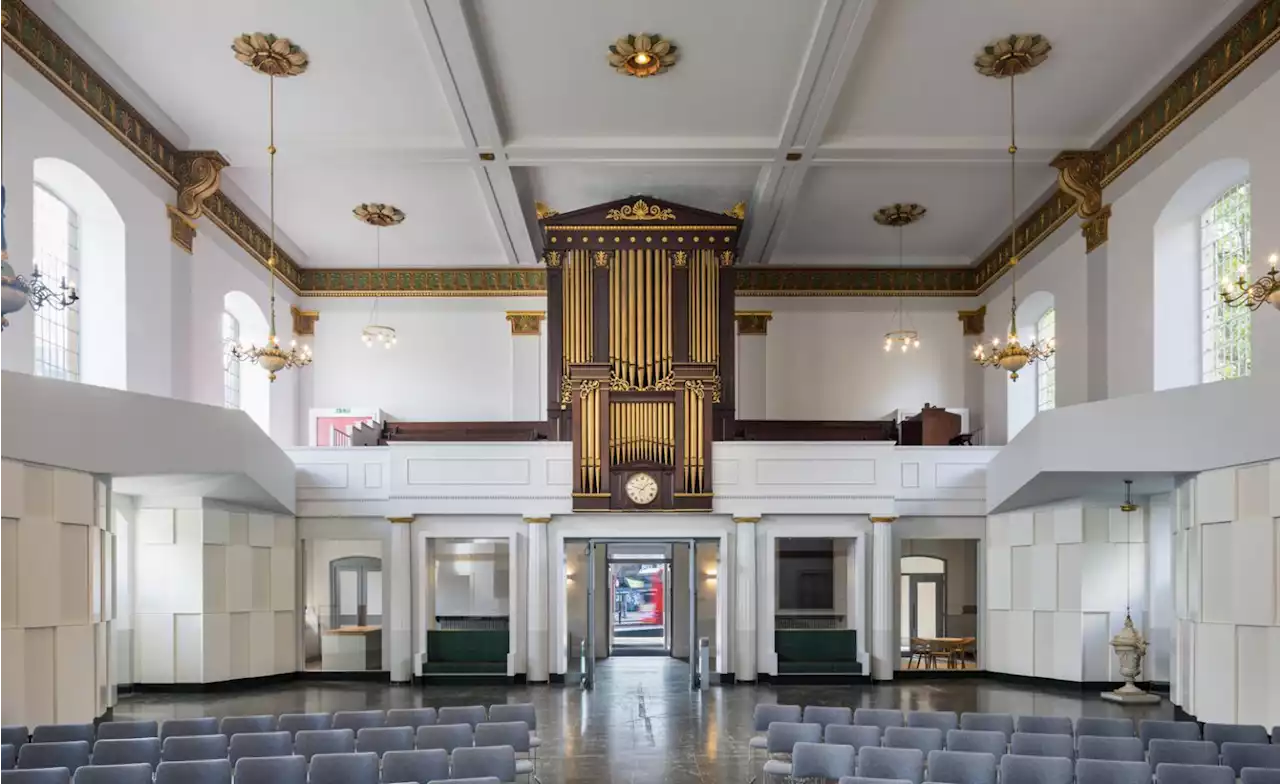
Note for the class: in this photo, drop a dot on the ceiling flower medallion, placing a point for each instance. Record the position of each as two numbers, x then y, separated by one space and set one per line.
1012 55
269 55
899 214
642 55
378 215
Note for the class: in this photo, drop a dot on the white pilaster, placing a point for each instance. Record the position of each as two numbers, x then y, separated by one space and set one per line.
1096 342
528 386
753 327
400 639
883 648
744 599
537 601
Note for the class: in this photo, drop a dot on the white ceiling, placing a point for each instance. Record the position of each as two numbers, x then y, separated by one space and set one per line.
879 97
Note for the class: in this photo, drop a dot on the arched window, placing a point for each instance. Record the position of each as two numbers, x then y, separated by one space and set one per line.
1046 378
1224 256
57 257
252 389
230 366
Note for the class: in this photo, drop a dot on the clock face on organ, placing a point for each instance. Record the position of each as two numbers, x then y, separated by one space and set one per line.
642 488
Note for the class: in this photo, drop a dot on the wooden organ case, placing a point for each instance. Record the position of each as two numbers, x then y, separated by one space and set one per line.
640 352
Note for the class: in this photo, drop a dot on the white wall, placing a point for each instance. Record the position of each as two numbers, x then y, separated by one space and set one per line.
452 360
472 578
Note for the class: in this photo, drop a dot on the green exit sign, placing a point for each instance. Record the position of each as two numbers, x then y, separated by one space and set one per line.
342 410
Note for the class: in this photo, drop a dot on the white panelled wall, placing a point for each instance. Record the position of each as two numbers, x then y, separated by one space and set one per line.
215 595
1226 656
58 596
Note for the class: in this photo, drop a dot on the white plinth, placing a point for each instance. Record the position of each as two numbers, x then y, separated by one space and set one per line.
1134 697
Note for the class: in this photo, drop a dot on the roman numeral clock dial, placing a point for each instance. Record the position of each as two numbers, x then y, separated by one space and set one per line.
642 489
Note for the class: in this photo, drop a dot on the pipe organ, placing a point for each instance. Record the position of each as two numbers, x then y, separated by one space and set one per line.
640 304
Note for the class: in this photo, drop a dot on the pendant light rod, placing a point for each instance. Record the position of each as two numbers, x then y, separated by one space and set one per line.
1013 207
271 188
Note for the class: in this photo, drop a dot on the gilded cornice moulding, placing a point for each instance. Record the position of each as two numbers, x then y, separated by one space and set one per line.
778 281
464 282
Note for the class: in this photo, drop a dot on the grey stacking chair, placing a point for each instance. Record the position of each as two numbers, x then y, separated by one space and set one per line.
1151 729
1044 725
271 770
1235 733
380 740
962 767
69 754
419 767
8 756
1021 769
476 780
926 739
358 720
462 714
357 768
1182 773
217 771
131 773
990 741
444 736
294 723
36 776
822 715
508 733
126 751
480 761
118 730
56 733
259 744
1275 734
411 717
1109 748
762 717
188 748
1034 744
14 735
517 711
1002 722
822 761
885 763
938 720
1096 771
1182 752
851 735
781 740
1259 776
1100 727
867 780
232 725
1238 756
308 743
174 728
883 718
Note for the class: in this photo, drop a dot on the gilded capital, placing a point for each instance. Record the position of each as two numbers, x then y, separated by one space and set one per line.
1095 230
526 322
753 322
973 322
745 519
884 519
1080 176
400 520
304 321
537 520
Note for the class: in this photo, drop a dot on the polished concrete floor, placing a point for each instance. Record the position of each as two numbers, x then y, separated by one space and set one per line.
641 724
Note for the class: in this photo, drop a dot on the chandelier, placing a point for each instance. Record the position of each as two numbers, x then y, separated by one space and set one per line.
900 216
1008 57
272 56
1252 295
378 216
16 292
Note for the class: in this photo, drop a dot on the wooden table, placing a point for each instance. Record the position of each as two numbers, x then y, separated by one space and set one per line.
949 646
351 648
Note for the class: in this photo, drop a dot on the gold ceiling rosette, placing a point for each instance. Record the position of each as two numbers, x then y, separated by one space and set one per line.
1012 55
642 55
270 55
379 215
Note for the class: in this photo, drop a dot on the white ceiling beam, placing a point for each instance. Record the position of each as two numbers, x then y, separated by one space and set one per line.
839 34
463 84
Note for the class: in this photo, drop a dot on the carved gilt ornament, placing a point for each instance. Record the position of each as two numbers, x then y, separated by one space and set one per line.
1012 55
640 211
642 55
270 55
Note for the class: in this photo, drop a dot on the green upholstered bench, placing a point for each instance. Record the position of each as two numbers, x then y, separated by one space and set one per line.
467 652
817 651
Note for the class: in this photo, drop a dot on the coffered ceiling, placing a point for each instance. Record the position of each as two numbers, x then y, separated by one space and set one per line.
405 100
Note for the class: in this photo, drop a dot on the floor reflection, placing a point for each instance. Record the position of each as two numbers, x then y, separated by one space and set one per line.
641 724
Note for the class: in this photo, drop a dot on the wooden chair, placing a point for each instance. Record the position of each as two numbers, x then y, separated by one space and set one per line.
920 652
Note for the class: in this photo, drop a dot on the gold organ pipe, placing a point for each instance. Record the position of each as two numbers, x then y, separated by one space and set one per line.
648 318
632 317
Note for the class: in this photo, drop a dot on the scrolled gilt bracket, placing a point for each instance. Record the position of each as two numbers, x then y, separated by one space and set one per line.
199 176
1080 176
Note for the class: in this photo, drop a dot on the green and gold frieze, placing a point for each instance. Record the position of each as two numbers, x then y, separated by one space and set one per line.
463 282
779 281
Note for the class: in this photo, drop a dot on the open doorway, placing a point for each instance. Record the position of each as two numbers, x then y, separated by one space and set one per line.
640 624
937 596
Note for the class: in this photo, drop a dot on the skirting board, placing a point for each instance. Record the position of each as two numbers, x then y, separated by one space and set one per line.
1054 683
237 684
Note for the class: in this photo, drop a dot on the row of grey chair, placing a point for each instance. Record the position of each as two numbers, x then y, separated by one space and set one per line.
489 766
959 768
17 735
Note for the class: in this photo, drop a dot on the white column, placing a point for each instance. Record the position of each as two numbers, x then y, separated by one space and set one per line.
527 366
753 327
744 599
400 637
884 652
538 603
